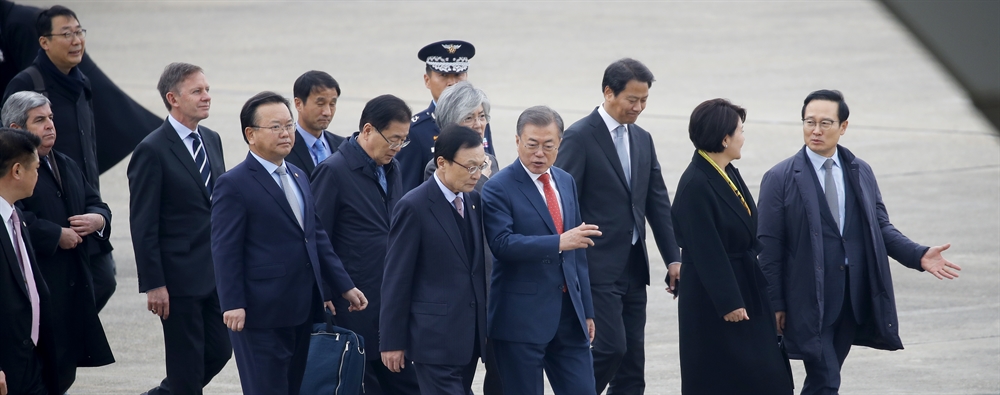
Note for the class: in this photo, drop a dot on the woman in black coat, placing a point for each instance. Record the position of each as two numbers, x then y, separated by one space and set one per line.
728 339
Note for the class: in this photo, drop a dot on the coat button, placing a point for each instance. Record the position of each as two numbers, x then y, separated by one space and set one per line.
26 342
842 267
472 304
546 261
71 283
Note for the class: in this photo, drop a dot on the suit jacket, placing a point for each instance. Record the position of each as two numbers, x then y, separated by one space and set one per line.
355 213
588 153
15 308
302 158
793 257
264 261
529 272
170 212
81 338
434 295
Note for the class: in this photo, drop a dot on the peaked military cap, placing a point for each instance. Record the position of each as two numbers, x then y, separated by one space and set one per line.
449 56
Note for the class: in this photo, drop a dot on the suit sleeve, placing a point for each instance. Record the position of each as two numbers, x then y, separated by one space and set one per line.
94 205
697 220
771 233
498 221
397 282
44 234
326 188
583 273
229 223
658 212
145 184
897 245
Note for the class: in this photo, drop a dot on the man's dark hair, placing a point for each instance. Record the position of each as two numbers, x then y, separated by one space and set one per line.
454 138
540 116
172 76
248 115
829 95
312 81
16 146
43 25
383 110
619 73
712 121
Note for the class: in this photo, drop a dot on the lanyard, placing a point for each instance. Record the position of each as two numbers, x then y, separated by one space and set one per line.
728 181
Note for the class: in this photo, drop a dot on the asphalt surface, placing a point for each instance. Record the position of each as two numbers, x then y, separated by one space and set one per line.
936 159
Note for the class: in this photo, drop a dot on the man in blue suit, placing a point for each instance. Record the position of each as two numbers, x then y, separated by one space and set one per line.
273 261
434 291
827 242
540 314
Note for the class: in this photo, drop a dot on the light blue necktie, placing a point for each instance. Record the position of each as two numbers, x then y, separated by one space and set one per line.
380 172
623 154
319 151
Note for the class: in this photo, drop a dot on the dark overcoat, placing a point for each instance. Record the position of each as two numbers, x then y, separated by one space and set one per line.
718 241
355 213
79 335
792 255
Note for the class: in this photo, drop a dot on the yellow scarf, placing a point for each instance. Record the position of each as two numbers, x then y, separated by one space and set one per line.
726 176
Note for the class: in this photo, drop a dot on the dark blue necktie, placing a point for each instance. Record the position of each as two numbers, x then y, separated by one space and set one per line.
201 161
380 172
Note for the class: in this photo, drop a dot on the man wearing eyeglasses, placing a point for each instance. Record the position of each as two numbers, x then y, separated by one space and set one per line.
356 190
63 42
435 280
826 241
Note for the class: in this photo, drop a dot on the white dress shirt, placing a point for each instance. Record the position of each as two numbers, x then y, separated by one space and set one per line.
541 190
838 175
185 134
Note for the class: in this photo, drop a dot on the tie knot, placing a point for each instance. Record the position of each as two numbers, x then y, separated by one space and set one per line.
457 201
281 170
15 219
828 164
620 131
195 136
544 178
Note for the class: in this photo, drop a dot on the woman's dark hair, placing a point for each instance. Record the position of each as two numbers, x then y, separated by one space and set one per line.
712 121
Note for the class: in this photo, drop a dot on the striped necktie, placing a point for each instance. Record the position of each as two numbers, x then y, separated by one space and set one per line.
201 161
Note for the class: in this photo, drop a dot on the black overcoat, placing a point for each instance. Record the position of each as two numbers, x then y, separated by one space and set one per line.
718 241
80 336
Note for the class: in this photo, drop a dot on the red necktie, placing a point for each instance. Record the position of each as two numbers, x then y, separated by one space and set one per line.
552 202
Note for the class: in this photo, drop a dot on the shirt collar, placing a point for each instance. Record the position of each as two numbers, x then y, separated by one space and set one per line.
534 177
818 160
448 194
6 210
307 137
270 167
608 119
181 130
361 150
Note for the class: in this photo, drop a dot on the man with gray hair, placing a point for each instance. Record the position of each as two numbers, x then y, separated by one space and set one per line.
66 218
540 313
170 178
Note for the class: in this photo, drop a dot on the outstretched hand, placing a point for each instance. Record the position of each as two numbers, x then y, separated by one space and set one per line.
935 263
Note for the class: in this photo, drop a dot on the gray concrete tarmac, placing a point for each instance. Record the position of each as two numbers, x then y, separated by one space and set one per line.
937 160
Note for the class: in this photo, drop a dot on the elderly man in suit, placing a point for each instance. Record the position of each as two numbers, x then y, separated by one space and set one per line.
171 177
428 282
65 216
25 330
827 242
356 190
621 188
274 264
540 312
316 94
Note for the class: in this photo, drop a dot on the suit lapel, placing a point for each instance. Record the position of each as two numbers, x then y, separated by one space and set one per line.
183 155
725 192
477 237
300 150
443 213
213 147
566 199
302 180
269 185
530 191
803 175
599 131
